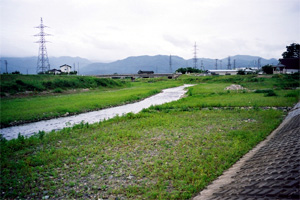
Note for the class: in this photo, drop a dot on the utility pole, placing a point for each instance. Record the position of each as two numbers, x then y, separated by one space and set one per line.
234 64
5 62
216 65
43 64
228 65
170 63
78 68
195 56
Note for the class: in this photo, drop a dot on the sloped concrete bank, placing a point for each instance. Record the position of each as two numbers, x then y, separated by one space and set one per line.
269 171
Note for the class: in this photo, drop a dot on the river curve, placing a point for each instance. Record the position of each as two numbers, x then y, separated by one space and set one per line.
167 95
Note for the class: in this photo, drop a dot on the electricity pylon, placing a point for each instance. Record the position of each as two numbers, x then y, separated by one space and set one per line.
43 64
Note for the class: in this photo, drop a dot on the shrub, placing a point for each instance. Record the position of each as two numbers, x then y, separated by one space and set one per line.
268 69
270 93
263 91
241 72
293 94
58 90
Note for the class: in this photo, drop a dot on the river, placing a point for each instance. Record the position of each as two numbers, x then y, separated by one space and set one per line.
167 95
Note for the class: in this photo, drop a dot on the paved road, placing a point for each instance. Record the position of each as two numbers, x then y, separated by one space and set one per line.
270 171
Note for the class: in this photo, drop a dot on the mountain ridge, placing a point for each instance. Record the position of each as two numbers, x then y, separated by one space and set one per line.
132 64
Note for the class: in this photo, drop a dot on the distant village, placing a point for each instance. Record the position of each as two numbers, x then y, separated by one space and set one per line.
64 69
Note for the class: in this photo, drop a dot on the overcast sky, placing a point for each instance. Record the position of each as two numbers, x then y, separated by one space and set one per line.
107 30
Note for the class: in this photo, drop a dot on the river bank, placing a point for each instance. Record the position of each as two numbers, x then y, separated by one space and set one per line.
167 95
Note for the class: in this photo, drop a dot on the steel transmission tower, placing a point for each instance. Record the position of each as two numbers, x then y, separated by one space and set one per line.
195 56
202 66
228 65
258 63
43 64
216 65
220 64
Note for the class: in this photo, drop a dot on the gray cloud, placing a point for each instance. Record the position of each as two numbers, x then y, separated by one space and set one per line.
117 29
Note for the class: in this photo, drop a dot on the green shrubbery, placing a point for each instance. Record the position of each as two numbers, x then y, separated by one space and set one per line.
42 82
284 81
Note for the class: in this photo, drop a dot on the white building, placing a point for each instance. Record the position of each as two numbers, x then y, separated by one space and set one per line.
222 72
65 68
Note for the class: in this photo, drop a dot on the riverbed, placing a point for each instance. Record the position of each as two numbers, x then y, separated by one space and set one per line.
167 95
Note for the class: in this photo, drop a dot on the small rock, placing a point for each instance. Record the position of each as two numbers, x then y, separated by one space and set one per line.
66 114
130 177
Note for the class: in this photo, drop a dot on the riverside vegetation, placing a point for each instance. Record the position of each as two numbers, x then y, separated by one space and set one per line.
102 93
171 151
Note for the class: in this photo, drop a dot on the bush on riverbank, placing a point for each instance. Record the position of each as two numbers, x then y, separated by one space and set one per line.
20 83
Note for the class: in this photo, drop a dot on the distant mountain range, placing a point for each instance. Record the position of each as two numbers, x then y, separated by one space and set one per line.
158 64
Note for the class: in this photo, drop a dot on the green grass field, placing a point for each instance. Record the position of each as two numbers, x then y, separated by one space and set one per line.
171 151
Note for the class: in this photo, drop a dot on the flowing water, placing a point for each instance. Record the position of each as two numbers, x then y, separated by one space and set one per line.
167 95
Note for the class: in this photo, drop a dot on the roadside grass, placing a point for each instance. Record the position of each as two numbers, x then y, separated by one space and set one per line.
151 155
20 110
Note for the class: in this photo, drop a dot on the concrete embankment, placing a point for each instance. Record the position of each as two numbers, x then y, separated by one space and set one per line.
270 171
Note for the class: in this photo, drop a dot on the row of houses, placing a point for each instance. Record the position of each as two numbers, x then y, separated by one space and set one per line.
62 69
287 66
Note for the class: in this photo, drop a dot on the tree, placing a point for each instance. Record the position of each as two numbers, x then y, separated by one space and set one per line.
268 69
241 72
292 51
189 70
15 72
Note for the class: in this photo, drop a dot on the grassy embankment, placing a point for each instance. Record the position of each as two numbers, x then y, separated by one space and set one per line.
165 152
103 93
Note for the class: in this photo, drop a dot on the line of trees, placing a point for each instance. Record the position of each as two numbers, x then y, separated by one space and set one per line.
189 70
